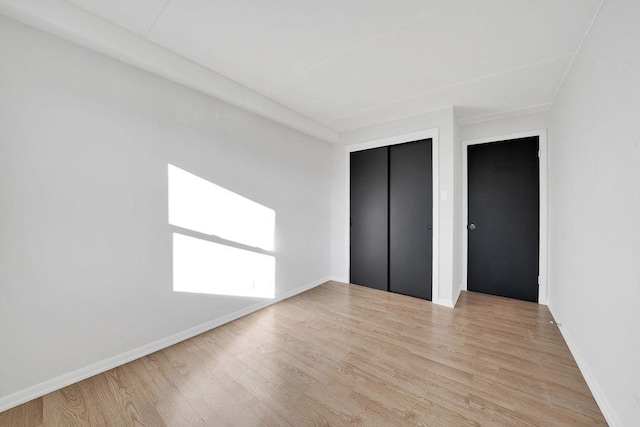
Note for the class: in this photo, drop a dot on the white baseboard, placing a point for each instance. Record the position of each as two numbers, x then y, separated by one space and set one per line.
441 301
455 299
594 386
445 302
451 303
38 390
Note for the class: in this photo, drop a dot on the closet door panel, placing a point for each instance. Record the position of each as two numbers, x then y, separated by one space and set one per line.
369 230
410 218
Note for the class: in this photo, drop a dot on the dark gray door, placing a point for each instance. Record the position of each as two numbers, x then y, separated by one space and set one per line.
370 218
410 218
504 218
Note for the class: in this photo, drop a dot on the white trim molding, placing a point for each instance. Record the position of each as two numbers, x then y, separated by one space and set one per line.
72 23
38 390
543 291
595 388
450 303
394 140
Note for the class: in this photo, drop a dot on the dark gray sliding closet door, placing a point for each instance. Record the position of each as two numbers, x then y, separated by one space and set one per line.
370 218
410 219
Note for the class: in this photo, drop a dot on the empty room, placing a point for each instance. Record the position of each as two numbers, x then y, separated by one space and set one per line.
323 213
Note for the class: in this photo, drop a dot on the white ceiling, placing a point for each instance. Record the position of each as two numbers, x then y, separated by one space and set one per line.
353 63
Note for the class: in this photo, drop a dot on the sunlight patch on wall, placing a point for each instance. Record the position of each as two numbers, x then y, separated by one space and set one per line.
203 266
199 205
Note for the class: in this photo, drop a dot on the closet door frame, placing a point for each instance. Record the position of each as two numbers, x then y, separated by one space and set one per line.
395 140
543 294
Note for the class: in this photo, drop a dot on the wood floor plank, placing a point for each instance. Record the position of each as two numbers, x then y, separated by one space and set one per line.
343 355
29 414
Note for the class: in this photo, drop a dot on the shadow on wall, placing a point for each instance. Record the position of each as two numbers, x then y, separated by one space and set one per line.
223 243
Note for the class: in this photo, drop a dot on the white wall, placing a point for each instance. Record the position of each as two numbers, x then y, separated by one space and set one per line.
85 252
457 209
444 121
339 229
594 165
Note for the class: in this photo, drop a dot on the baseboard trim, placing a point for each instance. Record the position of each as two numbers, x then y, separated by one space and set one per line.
445 302
38 390
455 299
592 383
339 279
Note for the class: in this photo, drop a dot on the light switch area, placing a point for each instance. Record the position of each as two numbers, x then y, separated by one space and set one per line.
444 195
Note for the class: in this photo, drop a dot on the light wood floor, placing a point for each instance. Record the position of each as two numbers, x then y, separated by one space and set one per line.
344 355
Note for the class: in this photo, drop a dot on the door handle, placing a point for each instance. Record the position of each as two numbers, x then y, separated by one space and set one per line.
471 226
429 227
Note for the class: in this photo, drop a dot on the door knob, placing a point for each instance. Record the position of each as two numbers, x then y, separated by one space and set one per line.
471 226
429 227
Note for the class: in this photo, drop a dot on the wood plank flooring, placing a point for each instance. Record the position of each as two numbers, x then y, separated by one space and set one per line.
343 355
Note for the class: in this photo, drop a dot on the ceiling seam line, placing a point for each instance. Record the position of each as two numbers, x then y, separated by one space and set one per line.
519 111
586 34
510 112
158 16
403 117
520 67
